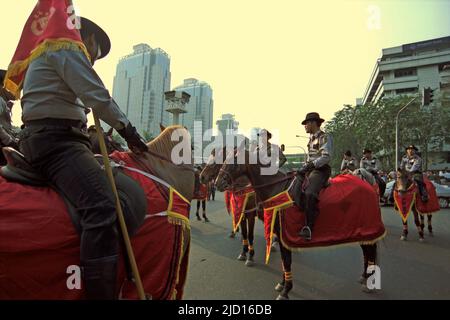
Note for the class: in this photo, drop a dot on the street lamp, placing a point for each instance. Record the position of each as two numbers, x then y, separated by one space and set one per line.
176 103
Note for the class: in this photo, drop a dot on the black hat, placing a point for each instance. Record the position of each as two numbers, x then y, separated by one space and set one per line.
367 150
313 116
348 153
412 147
87 26
2 76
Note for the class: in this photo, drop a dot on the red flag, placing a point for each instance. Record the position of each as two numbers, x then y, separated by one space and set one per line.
51 26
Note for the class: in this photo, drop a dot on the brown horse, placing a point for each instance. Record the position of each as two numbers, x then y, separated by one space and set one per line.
403 185
161 244
247 226
267 187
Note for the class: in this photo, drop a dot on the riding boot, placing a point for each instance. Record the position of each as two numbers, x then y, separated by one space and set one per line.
311 214
422 190
100 278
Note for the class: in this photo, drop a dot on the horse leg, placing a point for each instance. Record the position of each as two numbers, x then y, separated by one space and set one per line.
197 213
422 221
243 255
418 225
204 211
251 228
430 227
286 284
370 260
275 242
363 277
404 236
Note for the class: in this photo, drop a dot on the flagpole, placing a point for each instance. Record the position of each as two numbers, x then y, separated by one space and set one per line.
123 226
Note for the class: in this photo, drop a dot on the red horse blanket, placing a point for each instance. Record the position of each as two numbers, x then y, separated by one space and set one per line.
404 202
349 212
238 203
39 247
202 193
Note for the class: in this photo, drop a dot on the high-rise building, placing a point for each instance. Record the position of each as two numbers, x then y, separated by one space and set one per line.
139 85
227 125
199 109
408 69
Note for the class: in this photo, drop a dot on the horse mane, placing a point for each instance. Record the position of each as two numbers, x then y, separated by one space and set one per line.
163 143
177 176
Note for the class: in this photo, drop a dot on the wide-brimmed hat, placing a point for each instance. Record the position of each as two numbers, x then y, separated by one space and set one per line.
313 116
100 35
412 147
348 153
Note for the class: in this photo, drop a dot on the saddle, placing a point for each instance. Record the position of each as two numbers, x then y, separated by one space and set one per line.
132 196
297 190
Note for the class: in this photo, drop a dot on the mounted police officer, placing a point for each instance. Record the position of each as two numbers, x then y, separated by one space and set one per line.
349 162
59 86
412 163
268 151
317 169
373 165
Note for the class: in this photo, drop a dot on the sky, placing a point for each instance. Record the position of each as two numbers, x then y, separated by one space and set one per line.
269 62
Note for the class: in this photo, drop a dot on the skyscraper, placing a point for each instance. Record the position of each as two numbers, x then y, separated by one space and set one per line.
227 125
200 107
139 85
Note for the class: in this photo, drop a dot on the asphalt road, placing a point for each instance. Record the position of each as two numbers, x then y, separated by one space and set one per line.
409 270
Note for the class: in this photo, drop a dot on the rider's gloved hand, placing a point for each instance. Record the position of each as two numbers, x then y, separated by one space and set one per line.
307 167
135 142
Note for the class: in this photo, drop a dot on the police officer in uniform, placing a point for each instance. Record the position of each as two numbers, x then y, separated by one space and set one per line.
266 149
373 165
317 169
412 163
58 88
349 162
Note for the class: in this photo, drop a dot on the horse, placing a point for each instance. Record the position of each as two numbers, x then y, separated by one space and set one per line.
245 221
39 253
270 187
407 198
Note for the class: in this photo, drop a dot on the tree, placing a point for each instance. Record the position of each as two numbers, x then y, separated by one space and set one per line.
373 126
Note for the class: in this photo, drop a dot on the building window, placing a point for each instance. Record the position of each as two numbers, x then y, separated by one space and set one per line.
405 72
406 91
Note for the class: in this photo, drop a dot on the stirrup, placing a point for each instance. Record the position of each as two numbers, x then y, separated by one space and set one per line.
305 233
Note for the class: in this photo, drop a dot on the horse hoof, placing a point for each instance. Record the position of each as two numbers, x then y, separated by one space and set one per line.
365 289
199 219
279 287
421 240
403 238
281 297
242 257
232 235
249 263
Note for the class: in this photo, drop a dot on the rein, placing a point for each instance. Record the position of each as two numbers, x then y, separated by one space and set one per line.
277 181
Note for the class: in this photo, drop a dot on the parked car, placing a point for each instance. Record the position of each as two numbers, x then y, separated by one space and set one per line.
442 192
